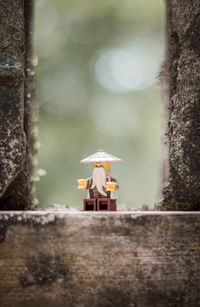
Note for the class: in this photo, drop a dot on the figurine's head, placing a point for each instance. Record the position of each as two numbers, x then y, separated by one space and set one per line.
105 165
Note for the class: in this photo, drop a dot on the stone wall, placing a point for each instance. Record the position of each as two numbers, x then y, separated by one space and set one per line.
183 109
120 259
17 109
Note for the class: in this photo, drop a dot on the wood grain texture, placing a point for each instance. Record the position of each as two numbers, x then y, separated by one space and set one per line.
99 259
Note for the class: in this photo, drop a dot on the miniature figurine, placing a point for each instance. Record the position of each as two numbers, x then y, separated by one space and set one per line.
101 187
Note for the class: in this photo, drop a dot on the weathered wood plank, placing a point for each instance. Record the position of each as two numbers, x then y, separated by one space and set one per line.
99 259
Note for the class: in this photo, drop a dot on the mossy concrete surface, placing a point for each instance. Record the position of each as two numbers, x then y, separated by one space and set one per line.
99 259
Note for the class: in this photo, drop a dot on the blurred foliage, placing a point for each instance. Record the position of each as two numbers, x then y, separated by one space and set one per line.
97 88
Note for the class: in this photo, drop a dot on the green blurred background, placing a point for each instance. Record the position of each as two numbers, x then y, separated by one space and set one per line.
97 88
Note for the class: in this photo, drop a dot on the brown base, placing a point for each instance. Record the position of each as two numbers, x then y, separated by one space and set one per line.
99 204
90 204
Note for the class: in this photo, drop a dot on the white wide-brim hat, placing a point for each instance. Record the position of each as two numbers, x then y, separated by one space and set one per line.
100 156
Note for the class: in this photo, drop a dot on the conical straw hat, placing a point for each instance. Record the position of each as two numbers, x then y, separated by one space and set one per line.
100 156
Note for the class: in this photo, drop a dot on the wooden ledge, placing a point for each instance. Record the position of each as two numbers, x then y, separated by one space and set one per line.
123 258
80 212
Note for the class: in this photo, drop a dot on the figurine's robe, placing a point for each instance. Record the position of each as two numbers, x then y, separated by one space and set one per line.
94 193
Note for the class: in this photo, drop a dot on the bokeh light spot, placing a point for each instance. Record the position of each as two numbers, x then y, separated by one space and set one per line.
127 69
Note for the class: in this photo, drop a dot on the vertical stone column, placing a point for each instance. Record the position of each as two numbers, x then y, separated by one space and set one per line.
15 96
183 68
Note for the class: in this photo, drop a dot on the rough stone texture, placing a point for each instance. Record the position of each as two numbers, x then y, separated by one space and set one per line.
15 94
30 110
183 190
99 259
164 83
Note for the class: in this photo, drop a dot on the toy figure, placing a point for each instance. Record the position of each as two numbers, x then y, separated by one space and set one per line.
101 186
